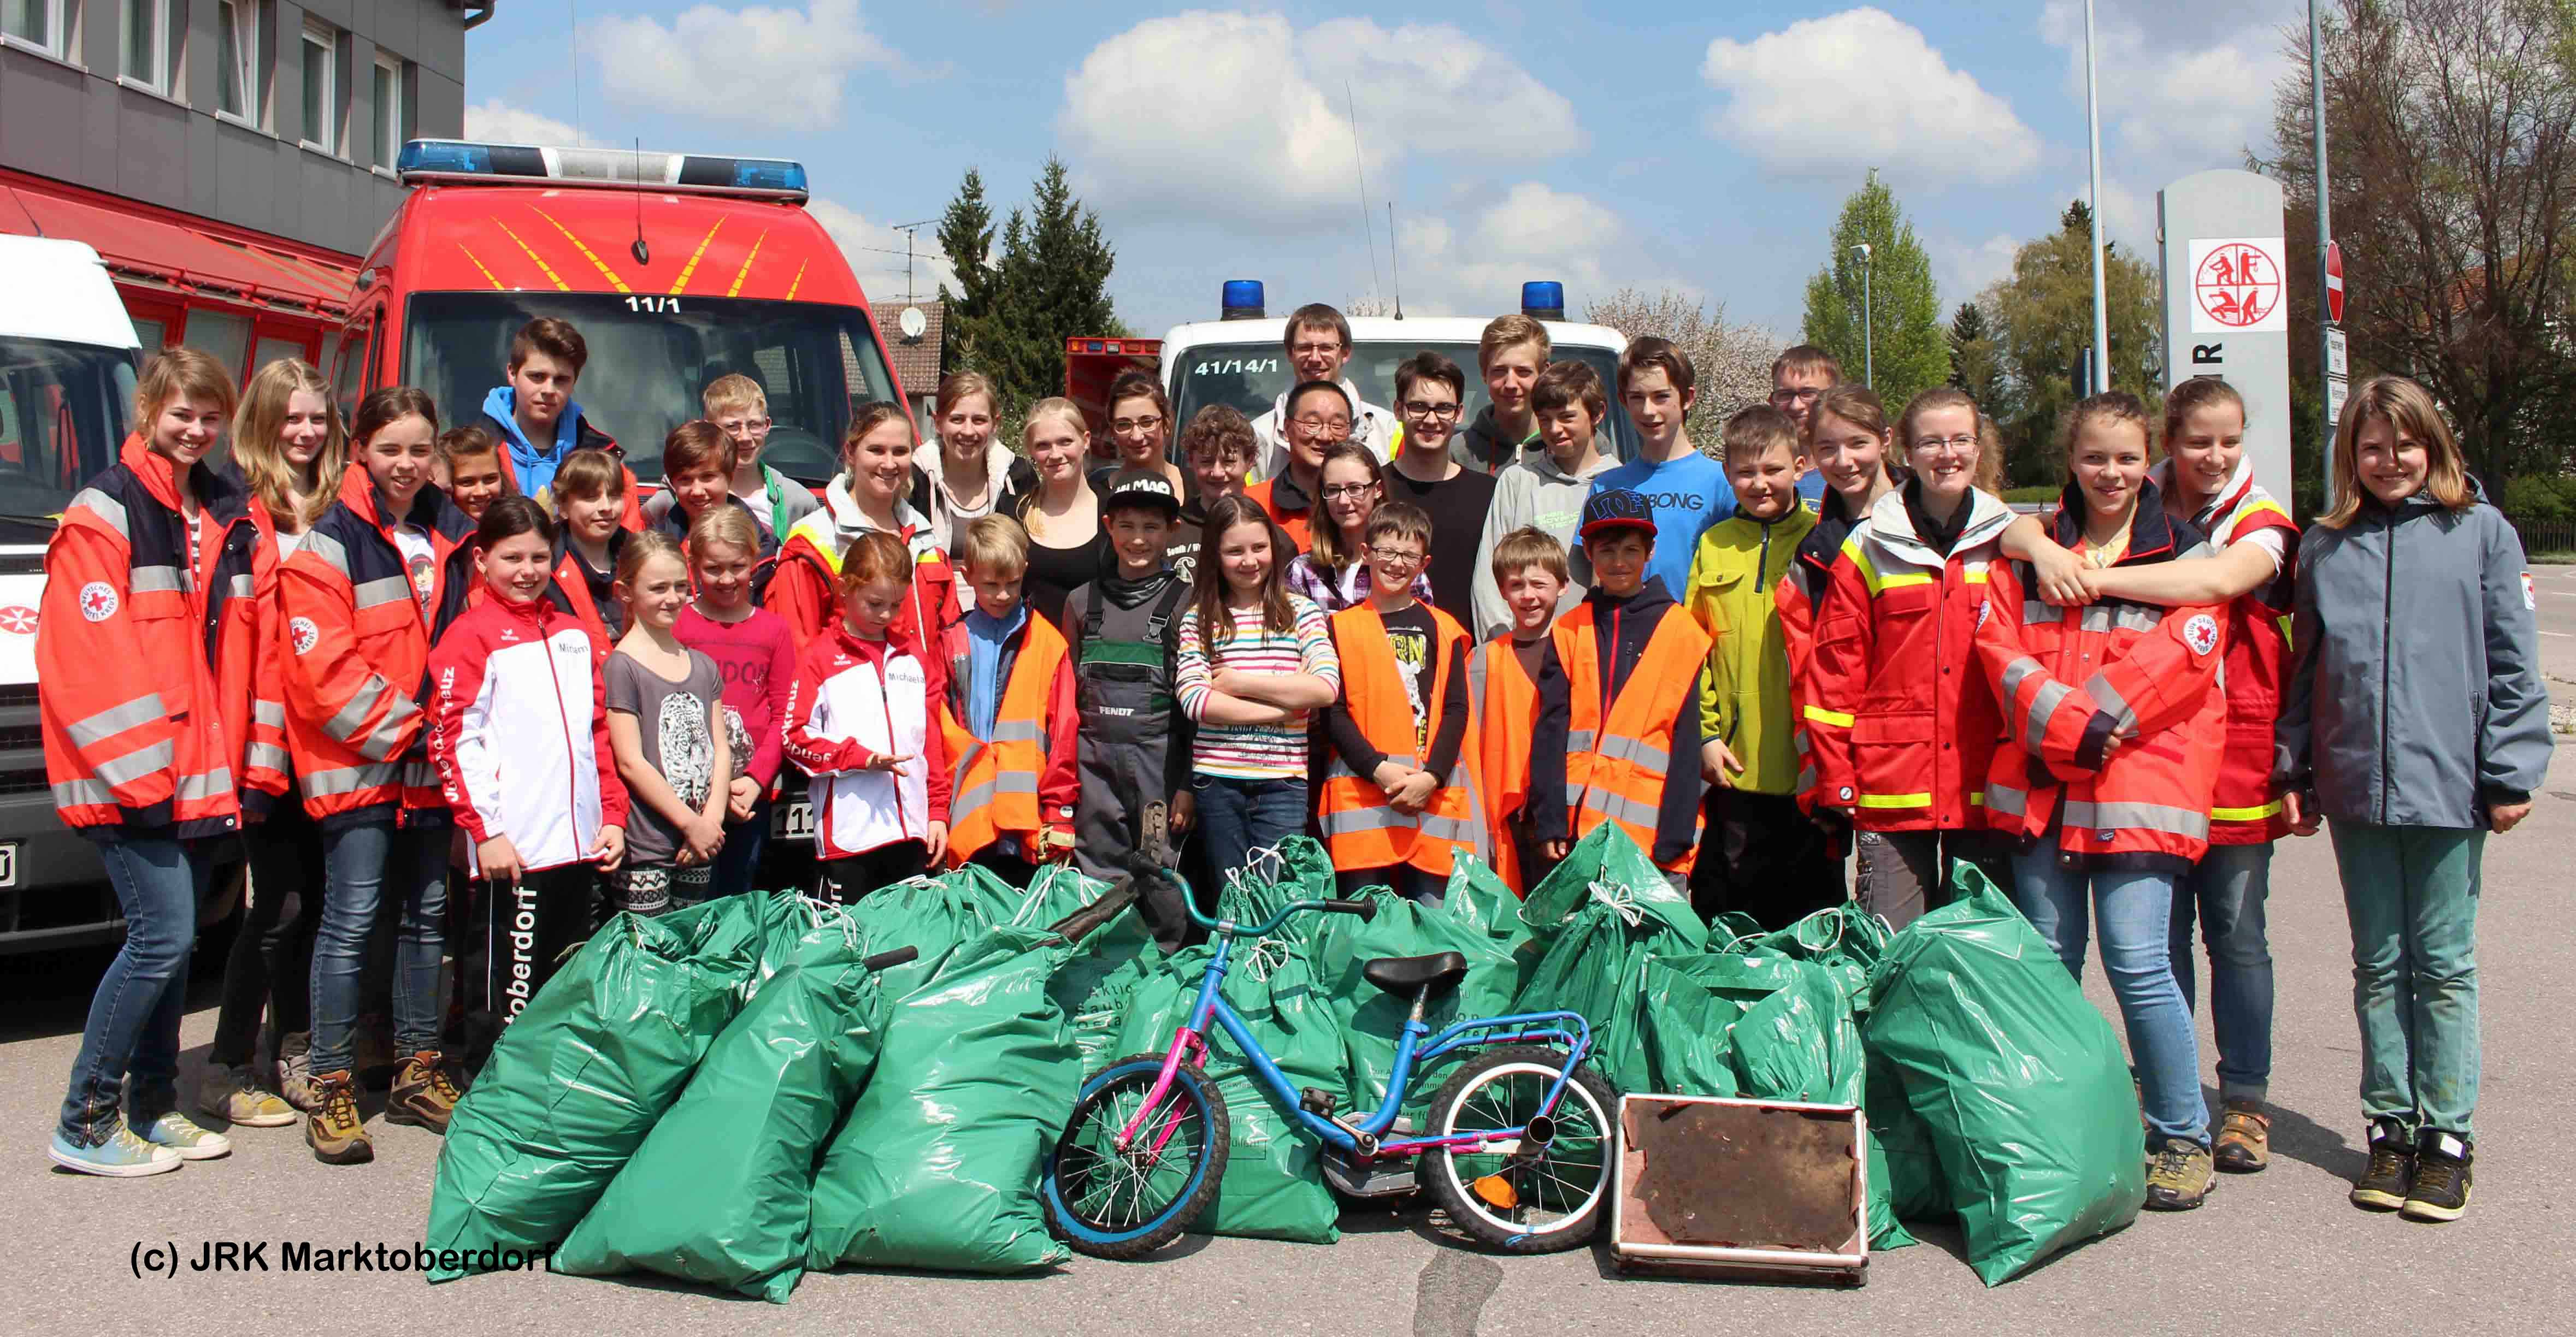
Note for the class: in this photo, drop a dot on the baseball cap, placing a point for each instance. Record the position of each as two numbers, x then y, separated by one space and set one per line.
1618 508
1141 487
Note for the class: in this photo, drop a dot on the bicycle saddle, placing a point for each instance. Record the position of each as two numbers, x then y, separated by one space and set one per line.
1431 974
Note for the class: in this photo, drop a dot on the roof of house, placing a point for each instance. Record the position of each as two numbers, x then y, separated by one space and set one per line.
916 361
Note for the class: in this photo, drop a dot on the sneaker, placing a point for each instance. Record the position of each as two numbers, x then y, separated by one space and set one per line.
334 1130
2441 1188
2181 1177
2384 1183
227 1093
2244 1137
121 1156
422 1095
295 1071
181 1134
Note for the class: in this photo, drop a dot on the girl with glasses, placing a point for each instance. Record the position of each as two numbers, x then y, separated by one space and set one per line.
1330 571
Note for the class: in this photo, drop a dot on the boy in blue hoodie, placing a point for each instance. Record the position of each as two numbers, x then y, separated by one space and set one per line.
534 414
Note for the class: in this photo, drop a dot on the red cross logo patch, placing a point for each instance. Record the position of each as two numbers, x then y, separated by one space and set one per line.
98 601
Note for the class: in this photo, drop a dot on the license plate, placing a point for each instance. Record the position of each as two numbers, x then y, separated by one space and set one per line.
794 820
8 863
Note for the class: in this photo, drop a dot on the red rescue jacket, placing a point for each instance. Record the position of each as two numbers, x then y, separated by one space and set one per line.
2244 810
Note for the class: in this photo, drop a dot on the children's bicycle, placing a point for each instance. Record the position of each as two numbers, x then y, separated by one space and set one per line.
1518 1150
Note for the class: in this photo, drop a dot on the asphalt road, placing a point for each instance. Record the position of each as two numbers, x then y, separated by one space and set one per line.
2275 1253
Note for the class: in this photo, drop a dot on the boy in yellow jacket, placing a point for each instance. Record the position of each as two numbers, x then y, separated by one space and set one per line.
1758 853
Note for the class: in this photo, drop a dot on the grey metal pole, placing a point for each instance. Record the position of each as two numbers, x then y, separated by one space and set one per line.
2325 211
1868 330
2093 126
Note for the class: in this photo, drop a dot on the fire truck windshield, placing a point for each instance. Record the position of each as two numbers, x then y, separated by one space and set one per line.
64 409
651 356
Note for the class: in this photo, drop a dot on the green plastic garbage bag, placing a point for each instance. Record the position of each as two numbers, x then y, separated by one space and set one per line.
2019 1082
932 915
578 1080
1692 1004
1478 918
1845 939
721 1189
1273 1187
1902 1142
937 1164
1599 916
1094 985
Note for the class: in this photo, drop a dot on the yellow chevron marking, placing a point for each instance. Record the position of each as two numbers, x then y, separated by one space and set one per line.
547 269
745 272
682 282
797 282
578 245
478 264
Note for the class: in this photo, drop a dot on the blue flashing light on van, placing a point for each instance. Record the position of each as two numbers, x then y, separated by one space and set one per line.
1242 300
1543 300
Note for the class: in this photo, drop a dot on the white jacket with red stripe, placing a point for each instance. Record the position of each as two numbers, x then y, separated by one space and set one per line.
519 729
855 700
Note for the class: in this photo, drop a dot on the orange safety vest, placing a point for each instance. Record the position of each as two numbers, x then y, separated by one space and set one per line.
1359 828
1616 758
995 789
1505 701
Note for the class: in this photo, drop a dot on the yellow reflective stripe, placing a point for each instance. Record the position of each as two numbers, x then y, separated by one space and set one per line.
2270 809
1895 800
1820 715
1976 798
1898 581
1976 575
2285 631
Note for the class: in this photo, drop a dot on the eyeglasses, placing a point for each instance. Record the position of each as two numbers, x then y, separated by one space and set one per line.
1131 426
1946 443
1336 426
1423 409
1338 491
1803 395
1395 556
744 426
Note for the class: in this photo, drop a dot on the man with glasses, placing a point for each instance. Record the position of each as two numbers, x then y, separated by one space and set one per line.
1798 378
1428 391
739 408
1318 343
1318 414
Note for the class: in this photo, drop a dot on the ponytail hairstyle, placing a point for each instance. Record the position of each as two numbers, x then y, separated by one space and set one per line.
257 447
873 556
2111 406
1861 407
869 417
1324 538
730 526
641 548
1208 588
384 407
1990 454
511 516
2192 396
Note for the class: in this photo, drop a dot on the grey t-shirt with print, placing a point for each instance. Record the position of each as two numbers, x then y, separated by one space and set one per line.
672 717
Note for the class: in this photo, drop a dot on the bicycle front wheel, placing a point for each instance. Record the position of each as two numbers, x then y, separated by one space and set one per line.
1111 1203
1537 1193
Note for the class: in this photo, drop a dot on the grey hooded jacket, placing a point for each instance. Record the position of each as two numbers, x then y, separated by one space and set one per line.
2415 699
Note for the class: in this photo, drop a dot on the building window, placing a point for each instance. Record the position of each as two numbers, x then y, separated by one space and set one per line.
38 23
321 97
393 122
153 33
238 63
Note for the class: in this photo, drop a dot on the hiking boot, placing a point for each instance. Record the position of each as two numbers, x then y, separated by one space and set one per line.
181 1134
422 1095
2384 1182
2441 1188
2181 1177
227 1093
121 1156
295 1071
334 1130
2244 1137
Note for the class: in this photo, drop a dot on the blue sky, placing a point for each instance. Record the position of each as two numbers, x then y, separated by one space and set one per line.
1601 146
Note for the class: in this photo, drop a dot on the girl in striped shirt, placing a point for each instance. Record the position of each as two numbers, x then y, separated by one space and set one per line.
1254 660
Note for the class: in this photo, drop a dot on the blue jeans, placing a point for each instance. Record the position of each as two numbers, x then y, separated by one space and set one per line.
2411 893
2136 914
367 867
1237 817
738 863
133 1027
2226 892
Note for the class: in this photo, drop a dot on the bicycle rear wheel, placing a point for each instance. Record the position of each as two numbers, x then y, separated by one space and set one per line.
1538 1193
1108 1203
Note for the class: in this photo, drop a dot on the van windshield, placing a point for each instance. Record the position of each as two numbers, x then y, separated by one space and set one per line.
64 411
1252 376
651 356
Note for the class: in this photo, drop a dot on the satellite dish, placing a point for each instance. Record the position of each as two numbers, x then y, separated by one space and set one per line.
912 322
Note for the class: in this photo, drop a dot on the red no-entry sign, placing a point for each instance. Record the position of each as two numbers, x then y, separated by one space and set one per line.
2334 282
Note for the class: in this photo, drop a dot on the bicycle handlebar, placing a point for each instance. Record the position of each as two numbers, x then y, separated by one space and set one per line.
1140 868
900 956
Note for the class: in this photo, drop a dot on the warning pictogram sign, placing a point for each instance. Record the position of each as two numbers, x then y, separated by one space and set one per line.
2236 286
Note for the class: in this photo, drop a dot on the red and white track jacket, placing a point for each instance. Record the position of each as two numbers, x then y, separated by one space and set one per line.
856 699
519 729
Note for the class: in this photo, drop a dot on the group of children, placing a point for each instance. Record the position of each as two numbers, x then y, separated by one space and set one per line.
1853 648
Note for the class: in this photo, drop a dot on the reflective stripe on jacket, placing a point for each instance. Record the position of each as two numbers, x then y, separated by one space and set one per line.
1744 686
1358 826
1901 720
2071 679
2245 810
1021 780
802 584
1619 752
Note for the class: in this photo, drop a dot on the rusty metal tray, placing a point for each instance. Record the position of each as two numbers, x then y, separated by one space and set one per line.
1756 1189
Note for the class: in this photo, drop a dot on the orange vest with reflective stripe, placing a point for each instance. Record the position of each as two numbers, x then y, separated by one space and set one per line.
1359 828
1616 759
995 789
1505 705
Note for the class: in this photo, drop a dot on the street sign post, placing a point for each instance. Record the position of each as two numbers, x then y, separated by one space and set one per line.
2226 303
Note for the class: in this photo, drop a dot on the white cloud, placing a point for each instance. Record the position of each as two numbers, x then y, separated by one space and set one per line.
2187 84
1837 95
875 251
1963 269
764 66
1534 231
496 122
1239 119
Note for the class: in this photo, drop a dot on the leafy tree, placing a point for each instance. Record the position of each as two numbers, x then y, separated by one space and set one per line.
1976 364
1907 345
2042 317
1731 364
1045 282
966 235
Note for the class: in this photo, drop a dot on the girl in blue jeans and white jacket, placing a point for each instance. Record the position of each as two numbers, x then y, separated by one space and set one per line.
2413 724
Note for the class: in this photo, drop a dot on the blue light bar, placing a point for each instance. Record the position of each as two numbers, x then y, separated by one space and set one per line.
461 160
1242 300
1543 300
